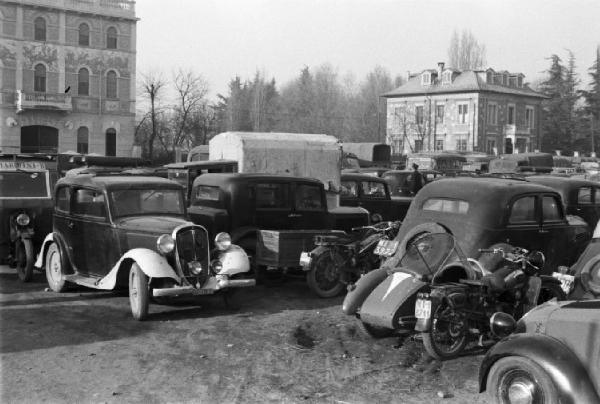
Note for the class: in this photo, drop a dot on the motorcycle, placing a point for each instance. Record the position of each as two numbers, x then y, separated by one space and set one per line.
338 260
451 313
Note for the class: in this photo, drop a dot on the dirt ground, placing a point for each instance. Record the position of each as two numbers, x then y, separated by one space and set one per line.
283 346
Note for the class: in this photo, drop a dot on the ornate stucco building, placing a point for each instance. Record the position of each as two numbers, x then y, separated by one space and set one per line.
67 76
447 109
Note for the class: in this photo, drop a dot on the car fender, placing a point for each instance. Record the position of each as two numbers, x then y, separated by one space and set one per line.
244 232
150 262
39 263
571 379
233 260
394 297
358 292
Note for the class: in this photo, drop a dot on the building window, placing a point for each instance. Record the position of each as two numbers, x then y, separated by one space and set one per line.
418 146
84 34
39 33
447 77
82 140
511 115
39 78
463 113
426 79
504 79
419 115
111 84
111 38
461 144
491 147
492 114
397 146
529 117
111 142
519 81
439 145
439 113
83 82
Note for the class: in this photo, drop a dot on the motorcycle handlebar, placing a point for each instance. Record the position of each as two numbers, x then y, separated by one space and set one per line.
378 227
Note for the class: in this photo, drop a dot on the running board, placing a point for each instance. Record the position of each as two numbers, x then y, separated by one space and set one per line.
87 281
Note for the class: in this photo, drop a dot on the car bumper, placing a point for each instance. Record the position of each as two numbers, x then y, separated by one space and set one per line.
210 288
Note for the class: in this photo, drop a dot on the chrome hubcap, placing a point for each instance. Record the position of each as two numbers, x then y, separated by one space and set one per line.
521 392
54 267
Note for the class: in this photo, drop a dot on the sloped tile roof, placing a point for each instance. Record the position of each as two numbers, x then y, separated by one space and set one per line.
467 81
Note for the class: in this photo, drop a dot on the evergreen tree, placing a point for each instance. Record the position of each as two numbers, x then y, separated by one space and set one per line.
556 109
592 97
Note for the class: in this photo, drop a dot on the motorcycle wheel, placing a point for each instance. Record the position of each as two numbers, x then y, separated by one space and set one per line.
324 276
24 259
550 291
448 335
372 331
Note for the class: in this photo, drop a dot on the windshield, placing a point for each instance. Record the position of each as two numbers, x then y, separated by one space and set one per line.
24 184
128 202
427 253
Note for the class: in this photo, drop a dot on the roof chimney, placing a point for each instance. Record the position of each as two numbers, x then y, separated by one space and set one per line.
407 75
440 70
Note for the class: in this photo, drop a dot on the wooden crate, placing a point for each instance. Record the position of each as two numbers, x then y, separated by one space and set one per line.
282 248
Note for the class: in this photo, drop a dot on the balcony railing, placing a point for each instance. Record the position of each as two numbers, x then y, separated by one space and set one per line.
515 130
118 8
48 101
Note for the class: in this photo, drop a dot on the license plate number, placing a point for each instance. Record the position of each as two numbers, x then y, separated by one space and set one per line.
386 248
305 259
566 281
423 309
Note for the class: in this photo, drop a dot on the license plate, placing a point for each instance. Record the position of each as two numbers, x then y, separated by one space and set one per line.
305 259
566 281
386 248
423 309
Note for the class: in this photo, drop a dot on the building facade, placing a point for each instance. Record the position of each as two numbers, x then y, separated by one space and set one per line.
67 76
480 111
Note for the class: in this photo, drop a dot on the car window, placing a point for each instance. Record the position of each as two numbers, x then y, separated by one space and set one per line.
207 193
272 196
23 184
63 196
373 189
308 197
584 196
132 202
349 189
90 203
551 208
446 205
523 210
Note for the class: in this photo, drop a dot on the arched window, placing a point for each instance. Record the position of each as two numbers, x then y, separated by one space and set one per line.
83 82
82 140
111 142
39 78
84 34
39 33
111 84
111 38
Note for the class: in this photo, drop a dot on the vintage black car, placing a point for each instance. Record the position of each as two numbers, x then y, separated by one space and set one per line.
373 194
26 183
185 173
245 204
581 197
401 181
480 212
553 356
116 230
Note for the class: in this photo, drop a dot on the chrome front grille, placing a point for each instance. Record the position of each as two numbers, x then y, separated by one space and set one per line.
191 244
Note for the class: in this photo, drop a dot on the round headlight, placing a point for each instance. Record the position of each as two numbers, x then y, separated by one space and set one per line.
223 241
23 219
165 244
195 267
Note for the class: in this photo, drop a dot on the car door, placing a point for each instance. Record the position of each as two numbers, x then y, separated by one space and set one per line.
94 246
271 204
309 208
523 222
374 196
554 234
62 218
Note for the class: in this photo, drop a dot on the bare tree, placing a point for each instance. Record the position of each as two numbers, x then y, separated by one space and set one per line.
152 84
465 52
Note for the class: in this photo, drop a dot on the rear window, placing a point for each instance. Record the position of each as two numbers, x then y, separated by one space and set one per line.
584 196
89 203
348 189
523 210
446 205
272 196
373 189
551 208
207 193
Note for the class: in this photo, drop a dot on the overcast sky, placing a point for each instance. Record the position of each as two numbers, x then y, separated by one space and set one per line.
224 38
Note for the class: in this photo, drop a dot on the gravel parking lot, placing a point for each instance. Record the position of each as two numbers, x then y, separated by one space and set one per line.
283 345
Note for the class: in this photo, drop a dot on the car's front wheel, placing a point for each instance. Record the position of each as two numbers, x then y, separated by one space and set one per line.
138 292
55 271
516 379
24 259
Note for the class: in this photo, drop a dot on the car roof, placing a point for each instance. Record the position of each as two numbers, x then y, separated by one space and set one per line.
407 171
559 181
220 179
117 181
200 163
361 177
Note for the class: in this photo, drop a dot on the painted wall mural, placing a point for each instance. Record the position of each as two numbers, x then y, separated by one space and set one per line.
99 65
40 53
8 55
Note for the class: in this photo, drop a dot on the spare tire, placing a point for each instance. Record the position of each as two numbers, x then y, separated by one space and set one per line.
590 275
417 231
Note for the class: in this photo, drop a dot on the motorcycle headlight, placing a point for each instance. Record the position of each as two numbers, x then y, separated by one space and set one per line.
165 244
222 241
23 219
